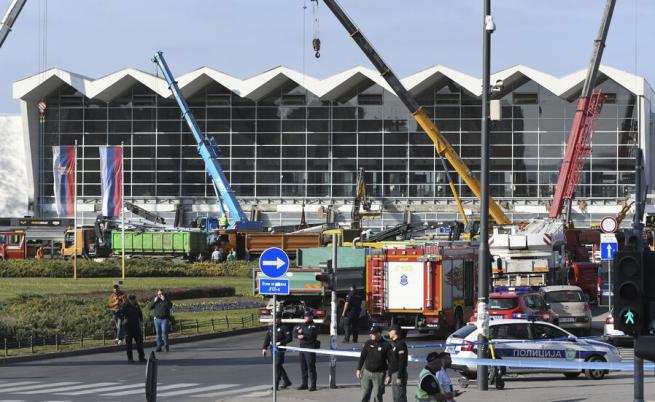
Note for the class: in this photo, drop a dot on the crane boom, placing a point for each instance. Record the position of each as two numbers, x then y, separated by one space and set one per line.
584 122
210 152
10 17
442 146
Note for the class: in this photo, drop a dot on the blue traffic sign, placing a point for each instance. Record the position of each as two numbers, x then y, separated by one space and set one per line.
607 251
274 286
274 262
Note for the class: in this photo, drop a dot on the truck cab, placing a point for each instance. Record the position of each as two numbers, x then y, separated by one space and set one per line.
584 275
12 245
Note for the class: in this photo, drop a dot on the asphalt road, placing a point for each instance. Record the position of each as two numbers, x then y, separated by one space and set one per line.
233 369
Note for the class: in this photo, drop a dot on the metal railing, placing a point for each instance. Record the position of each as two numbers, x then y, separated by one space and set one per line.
42 343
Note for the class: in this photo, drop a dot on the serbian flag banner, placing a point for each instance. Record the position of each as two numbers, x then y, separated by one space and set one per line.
63 170
111 178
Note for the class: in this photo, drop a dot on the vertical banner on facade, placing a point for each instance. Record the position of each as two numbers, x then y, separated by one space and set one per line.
63 170
111 178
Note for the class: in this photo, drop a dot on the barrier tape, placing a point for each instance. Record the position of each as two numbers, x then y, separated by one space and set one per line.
536 363
468 343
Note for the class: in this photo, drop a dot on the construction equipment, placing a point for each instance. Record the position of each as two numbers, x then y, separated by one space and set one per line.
361 202
8 20
135 209
209 152
442 146
586 115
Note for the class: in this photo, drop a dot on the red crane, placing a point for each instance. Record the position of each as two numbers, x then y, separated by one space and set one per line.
584 123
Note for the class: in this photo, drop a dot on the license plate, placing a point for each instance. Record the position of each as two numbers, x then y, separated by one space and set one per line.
567 320
496 317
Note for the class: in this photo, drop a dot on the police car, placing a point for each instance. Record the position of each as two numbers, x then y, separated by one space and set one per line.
545 341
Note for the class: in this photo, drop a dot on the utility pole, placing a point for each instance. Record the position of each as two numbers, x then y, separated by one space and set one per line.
638 229
334 317
483 257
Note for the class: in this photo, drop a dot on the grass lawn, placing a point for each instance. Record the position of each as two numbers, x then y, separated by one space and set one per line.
12 287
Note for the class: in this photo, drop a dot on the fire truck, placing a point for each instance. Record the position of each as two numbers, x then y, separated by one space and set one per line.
427 288
13 245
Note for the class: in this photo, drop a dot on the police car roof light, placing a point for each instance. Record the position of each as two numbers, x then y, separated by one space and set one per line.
513 289
525 316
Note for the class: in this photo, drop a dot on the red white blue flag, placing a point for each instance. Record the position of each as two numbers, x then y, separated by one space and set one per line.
63 169
111 180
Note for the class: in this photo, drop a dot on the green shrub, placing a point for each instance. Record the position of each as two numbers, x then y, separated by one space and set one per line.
46 315
136 267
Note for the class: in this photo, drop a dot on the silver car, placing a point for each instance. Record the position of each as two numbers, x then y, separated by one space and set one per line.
571 305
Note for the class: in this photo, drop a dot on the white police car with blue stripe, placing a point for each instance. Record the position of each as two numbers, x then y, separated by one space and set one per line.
525 340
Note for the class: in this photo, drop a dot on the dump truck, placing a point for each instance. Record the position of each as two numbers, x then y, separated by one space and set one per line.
306 292
181 243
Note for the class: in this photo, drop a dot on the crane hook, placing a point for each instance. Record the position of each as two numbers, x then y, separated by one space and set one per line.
316 43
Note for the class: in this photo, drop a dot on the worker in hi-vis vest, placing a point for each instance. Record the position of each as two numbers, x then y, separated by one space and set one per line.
222 223
428 388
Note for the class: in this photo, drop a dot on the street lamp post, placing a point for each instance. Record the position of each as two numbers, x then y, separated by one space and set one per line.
483 258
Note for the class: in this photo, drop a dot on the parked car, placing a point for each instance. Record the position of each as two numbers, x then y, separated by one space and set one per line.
571 305
518 302
611 335
544 342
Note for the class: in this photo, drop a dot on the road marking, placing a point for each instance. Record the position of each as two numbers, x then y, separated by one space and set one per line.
195 390
103 389
71 388
32 387
139 391
11 400
15 384
234 391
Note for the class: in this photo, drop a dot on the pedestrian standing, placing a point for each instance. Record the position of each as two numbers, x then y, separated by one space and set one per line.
372 366
397 376
282 338
117 300
351 311
427 387
133 316
161 307
307 334
444 379
216 255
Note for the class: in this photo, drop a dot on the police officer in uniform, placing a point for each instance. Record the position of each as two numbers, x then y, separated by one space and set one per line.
428 388
350 315
307 334
372 366
397 376
282 338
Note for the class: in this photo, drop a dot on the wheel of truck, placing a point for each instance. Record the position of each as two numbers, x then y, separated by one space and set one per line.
595 374
459 318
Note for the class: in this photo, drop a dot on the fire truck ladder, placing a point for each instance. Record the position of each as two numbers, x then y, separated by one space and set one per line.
378 292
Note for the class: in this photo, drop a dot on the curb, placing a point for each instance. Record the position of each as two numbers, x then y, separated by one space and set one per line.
115 348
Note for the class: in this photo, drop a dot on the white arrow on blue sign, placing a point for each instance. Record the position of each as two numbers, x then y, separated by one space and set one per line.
607 251
274 262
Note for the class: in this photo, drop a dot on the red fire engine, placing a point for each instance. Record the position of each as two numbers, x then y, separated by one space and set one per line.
428 287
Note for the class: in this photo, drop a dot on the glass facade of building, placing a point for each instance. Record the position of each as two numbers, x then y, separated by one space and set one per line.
292 145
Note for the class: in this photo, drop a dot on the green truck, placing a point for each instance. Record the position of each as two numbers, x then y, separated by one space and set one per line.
160 243
306 292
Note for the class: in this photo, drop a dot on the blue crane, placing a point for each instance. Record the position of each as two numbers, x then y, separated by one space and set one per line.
210 152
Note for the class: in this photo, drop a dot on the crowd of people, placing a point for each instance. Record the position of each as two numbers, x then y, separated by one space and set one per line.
381 363
128 321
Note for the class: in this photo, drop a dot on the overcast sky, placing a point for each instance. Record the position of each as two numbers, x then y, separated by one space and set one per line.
246 37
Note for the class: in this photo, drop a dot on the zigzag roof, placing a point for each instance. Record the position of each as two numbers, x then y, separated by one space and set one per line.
260 85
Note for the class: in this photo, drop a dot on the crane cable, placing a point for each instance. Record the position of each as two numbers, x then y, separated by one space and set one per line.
316 41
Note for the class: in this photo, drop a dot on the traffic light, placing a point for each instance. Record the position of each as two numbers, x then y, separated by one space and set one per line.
628 292
326 275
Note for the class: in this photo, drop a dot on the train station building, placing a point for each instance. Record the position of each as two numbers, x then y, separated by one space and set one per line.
290 140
